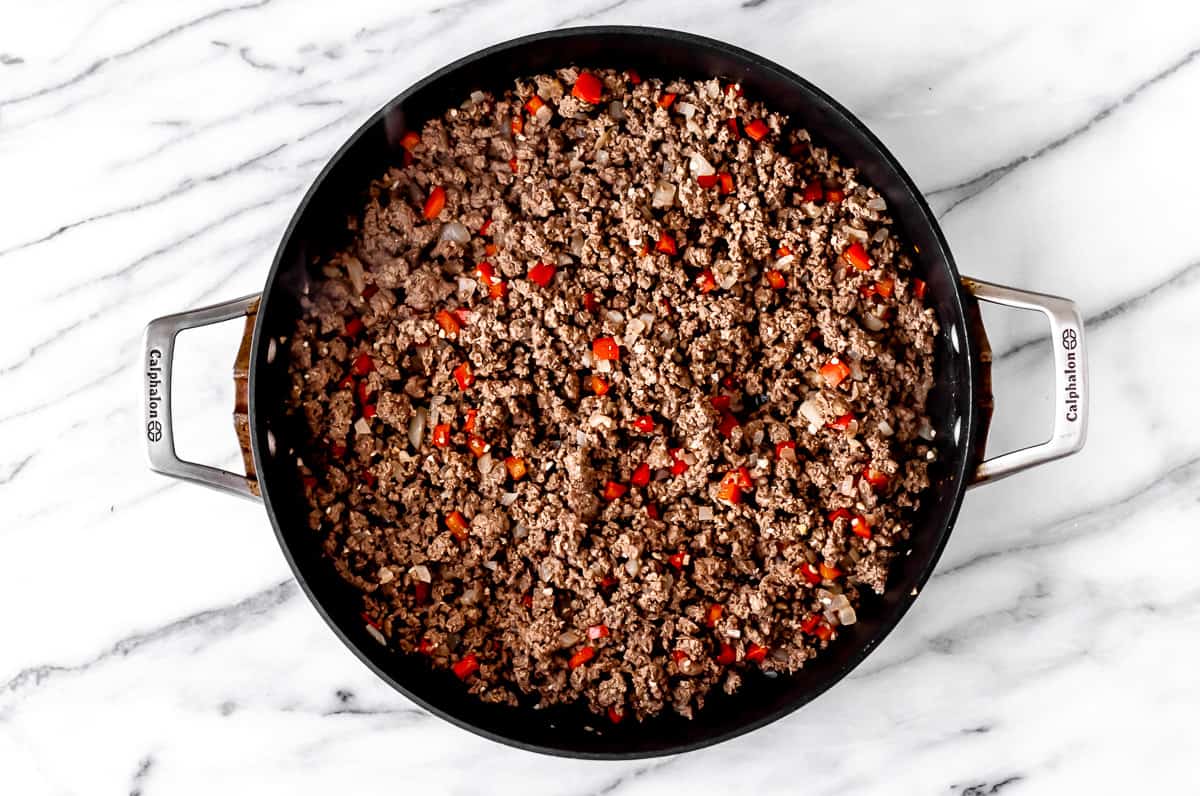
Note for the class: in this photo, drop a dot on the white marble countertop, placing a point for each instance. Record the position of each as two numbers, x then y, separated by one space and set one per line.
154 641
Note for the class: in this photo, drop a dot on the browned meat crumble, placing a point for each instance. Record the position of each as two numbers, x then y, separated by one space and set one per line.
637 410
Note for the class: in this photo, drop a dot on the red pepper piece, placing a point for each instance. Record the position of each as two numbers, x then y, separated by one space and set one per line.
425 647
787 444
814 192
441 435
597 631
839 514
919 289
588 88
856 255
729 492
448 322
645 424
727 655
613 490
469 422
369 411
589 302
875 478
726 180
727 425
464 376
410 140
487 225
733 129
599 384
477 445
841 423
337 450
435 203
828 572
835 371
833 196
713 615
757 129
309 482
421 592
366 617
457 524
516 467
666 100
466 667
368 291
634 77
615 715
860 527
608 583
679 560
362 365
666 243
679 656
741 477
527 600
346 383
354 327
533 105
810 573
810 622
542 273
582 657
885 287
369 478
652 511
706 180
514 165
734 88
605 348
641 475
776 279
706 282
721 402
756 653
823 631
678 465
364 391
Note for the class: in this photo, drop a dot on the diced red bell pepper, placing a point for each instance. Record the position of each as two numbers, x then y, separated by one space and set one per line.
835 371
860 527
608 582
605 348
727 655
477 445
457 524
368 291
425 647
776 279
809 623
733 129
582 657
615 715
726 182
464 376
599 384
856 255
410 140
828 572
310 482
527 600
727 425
441 435
814 192
644 423
885 287
652 511
756 653
407 159
706 282
839 514
919 289
364 391
741 477
354 327
841 423
597 631
823 631
421 592
786 445
721 402
487 225
370 620
337 450
369 411
516 467
678 465
347 383
757 129
706 180
666 243
514 165
679 560
679 656
369 478
666 100
497 287
641 475
634 77
810 573
588 88
469 420
875 478
833 196
362 365
491 249
729 492
533 105
435 203
542 273
448 322
734 88
466 667
713 614
613 490
462 315
589 302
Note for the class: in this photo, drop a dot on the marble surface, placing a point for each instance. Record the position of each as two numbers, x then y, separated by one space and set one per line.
152 154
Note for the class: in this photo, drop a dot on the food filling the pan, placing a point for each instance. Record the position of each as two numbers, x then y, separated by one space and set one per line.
615 393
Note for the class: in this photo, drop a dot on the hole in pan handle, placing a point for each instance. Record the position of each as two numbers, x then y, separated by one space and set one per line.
1070 380
158 357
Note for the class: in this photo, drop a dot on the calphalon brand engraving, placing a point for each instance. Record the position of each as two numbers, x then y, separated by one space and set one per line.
1070 341
153 394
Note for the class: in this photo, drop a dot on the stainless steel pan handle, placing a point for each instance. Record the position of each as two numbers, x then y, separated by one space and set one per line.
1070 380
159 357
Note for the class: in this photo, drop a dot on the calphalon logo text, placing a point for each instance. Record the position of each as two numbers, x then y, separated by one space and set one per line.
1070 341
153 394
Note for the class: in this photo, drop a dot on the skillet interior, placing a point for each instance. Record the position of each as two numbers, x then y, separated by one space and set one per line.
319 222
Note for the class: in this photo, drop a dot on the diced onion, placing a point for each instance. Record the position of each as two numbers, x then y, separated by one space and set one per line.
508 498
885 428
416 427
705 513
846 616
375 634
876 203
456 232
873 322
925 431
577 243
699 166
664 194
361 426
880 235
601 157
812 412
491 565
633 566
569 639
470 596
686 108
354 270
420 572
477 97
485 463
616 109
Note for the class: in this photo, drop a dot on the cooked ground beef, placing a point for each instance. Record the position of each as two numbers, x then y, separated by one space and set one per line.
614 400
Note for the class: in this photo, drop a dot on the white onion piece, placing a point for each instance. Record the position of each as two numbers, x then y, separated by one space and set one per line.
846 616
880 235
466 287
873 322
569 639
877 203
375 634
699 167
885 428
470 596
664 194
491 565
785 260
508 498
633 566
616 109
477 97
545 570
925 431
485 463
812 413
686 108
601 157
354 270
361 426
416 427
520 531
565 259
648 319
456 232
420 572
705 513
